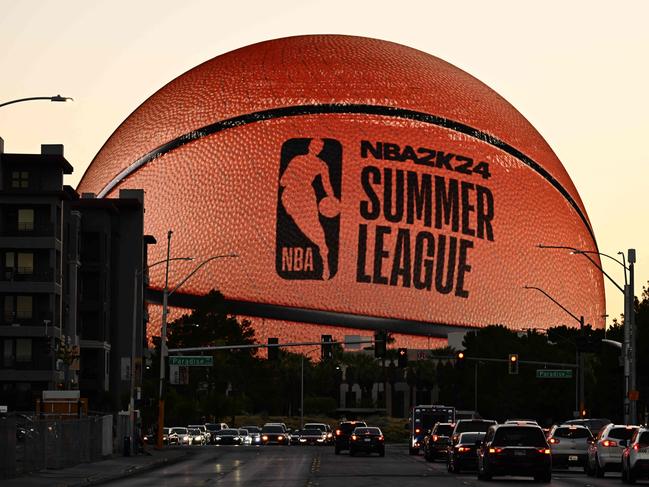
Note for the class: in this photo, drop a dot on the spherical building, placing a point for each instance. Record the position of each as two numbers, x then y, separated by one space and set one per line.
363 184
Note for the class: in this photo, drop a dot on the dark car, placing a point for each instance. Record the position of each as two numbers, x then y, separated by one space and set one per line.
510 449
368 440
470 426
593 424
312 436
227 437
437 442
464 454
274 434
343 432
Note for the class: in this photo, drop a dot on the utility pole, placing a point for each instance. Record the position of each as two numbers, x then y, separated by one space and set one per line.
630 355
163 346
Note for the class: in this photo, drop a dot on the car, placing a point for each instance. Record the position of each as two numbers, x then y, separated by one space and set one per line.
312 436
515 449
274 434
464 454
295 437
470 426
182 434
228 436
593 424
605 452
213 428
203 429
438 441
244 437
635 458
196 436
255 434
343 433
569 444
325 428
366 439
522 421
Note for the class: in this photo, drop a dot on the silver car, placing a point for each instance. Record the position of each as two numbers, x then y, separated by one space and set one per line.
569 445
605 453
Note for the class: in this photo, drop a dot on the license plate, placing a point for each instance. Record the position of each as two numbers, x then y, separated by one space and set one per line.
519 453
573 458
367 440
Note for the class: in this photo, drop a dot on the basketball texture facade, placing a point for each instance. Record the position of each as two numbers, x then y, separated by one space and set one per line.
360 182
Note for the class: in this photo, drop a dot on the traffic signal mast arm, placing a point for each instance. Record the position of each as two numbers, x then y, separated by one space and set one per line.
266 345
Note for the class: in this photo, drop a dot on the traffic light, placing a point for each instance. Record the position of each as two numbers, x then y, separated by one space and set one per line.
273 352
402 358
326 349
513 364
380 339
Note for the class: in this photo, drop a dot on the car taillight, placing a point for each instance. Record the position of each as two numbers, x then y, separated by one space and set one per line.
354 437
495 450
463 449
609 443
545 451
435 437
417 430
338 432
636 447
553 441
381 438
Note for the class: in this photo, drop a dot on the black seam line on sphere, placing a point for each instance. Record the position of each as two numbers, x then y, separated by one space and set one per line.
302 110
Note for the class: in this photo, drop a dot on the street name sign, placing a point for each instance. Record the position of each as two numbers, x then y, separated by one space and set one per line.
554 374
191 361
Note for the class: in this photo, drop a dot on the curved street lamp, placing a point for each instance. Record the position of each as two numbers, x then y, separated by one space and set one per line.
50 98
163 332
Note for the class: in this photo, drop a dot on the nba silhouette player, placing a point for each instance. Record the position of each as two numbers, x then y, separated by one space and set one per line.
299 197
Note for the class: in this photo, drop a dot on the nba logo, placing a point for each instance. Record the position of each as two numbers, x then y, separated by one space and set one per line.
308 209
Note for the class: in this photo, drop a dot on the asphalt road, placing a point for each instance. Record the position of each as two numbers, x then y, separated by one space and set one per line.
273 466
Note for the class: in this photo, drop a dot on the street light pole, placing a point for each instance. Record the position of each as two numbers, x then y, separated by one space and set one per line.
302 389
631 349
163 332
50 98
163 346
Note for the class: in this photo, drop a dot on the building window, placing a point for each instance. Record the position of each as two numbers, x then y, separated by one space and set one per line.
24 307
25 263
23 350
8 309
25 219
8 358
20 179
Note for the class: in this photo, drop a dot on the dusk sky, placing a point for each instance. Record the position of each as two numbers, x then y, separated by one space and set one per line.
578 71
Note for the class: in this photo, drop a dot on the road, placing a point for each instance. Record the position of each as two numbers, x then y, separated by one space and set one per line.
275 466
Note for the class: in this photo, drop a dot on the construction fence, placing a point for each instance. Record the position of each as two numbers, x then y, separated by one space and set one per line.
29 444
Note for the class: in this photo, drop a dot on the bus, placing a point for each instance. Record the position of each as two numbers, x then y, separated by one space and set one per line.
422 420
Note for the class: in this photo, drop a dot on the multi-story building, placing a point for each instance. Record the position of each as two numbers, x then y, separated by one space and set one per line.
33 319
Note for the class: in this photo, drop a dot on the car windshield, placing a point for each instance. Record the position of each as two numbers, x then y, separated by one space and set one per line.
229 432
520 436
349 427
443 430
621 433
470 437
644 438
480 426
194 431
272 429
311 432
320 427
574 433
213 427
243 432
367 431
180 431
252 429
166 431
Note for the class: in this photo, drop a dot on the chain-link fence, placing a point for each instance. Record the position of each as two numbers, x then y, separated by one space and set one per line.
36 444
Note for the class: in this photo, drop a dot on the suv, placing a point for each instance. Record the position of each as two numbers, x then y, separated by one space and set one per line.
605 453
635 459
343 432
569 444
436 443
325 428
470 425
513 449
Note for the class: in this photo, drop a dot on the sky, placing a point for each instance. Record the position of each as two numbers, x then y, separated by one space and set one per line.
578 71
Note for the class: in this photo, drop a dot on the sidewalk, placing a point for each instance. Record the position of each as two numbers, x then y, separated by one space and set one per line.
86 474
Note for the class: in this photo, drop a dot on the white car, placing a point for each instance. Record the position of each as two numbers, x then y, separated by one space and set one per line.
182 433
605 453
635 459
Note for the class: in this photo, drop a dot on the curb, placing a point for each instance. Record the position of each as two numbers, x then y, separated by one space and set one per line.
163 462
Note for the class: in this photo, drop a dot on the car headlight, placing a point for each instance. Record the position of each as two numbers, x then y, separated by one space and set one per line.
218 438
